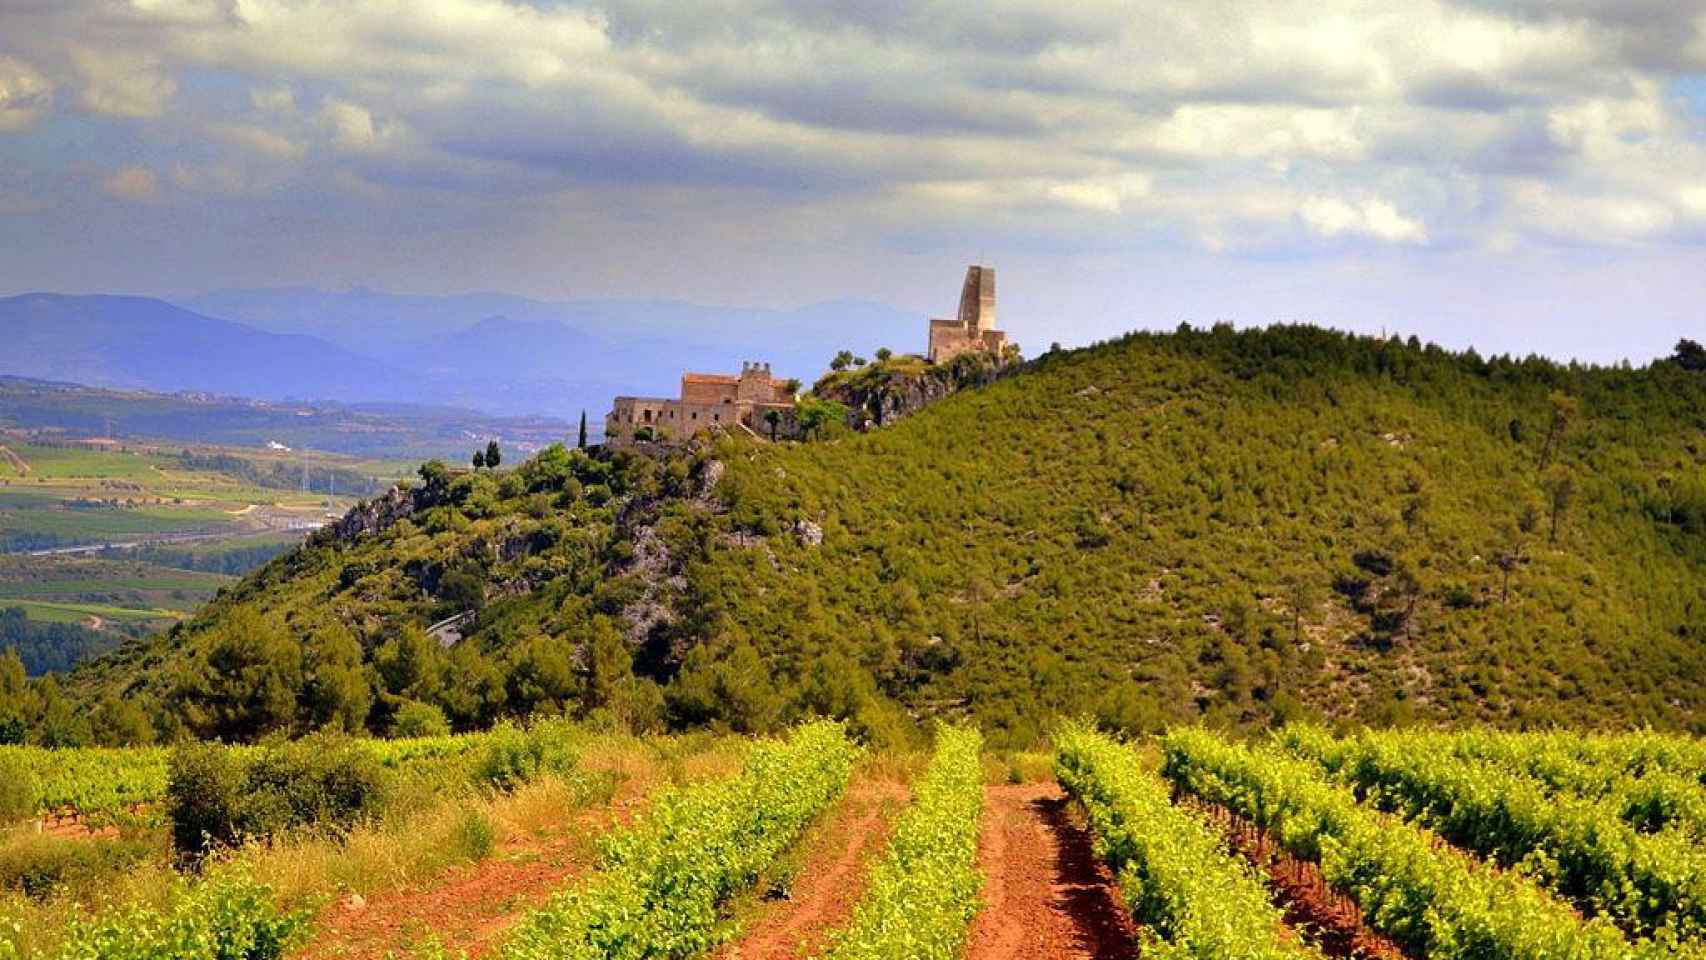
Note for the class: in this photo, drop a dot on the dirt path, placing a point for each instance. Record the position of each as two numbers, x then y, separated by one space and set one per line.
1046 897
830 879
467 908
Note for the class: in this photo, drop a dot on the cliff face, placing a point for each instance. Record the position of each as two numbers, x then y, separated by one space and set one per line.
888 391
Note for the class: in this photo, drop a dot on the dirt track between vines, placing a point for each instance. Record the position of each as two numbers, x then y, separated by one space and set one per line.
468 908
1046 897
831 877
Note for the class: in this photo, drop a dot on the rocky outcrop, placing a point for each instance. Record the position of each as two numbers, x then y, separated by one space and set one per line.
652 563
880 398
372 516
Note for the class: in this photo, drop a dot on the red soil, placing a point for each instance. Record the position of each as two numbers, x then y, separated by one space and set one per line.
1046 896
830 880
468 908
1335 921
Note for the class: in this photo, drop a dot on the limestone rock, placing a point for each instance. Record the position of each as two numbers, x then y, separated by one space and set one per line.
810 534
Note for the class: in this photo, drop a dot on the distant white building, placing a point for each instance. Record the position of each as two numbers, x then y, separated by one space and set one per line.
275 445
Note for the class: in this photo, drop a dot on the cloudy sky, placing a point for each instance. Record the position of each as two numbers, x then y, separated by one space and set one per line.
1517 174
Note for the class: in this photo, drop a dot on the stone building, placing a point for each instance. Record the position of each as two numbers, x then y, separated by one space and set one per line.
974 329
707 401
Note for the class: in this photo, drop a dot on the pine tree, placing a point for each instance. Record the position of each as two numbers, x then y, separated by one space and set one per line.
580 443
493 456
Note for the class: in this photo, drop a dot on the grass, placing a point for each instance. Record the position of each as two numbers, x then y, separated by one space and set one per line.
95 525
57 462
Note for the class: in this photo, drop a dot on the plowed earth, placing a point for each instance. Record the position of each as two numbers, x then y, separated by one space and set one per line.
1046 896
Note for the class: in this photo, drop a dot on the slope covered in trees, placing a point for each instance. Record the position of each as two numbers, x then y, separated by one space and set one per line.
1237 526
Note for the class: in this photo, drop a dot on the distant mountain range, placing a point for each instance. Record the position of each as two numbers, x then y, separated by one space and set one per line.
511 354
495 353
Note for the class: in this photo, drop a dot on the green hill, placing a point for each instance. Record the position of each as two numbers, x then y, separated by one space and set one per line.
1237 526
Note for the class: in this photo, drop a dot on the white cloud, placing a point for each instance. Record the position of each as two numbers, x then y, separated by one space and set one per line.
133 183
1218 131
351 125
258 140
122 83
1370 217
1693 199
24 94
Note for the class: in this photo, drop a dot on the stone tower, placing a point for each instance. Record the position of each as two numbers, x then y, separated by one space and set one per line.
977 300
974 329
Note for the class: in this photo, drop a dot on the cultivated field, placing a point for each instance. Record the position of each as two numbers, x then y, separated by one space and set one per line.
560 841
130 537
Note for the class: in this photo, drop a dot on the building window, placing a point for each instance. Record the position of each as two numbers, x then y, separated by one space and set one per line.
695 414
716 416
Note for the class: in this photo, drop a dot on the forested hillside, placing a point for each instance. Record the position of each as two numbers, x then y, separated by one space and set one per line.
1237 526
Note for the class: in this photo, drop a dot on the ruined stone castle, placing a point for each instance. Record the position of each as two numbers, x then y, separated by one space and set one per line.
974 329
707 400
757 402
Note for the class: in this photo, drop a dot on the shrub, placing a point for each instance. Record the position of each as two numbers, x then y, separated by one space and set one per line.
18 797
514 756
36 864
204 789
326 781
417 719
476 835
215 798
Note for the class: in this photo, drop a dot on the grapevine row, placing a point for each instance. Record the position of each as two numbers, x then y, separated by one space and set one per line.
1433 901
1194 900
663 882
1578 846
1648 796
923 894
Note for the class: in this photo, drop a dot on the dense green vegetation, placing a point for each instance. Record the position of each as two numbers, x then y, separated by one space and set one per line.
232 557
1236 527
48 646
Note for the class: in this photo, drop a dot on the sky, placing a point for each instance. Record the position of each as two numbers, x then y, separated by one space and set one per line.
1518 175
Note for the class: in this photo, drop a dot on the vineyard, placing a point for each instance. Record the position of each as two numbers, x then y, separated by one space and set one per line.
96 783
556 841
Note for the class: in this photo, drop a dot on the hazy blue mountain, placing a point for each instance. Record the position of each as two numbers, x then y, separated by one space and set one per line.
495 353
513 354
137 342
